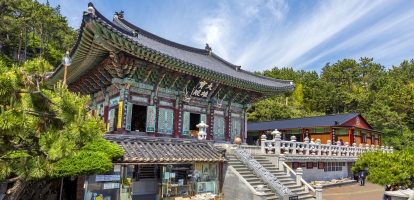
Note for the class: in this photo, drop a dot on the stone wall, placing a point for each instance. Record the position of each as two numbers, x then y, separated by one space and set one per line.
319 174
235 186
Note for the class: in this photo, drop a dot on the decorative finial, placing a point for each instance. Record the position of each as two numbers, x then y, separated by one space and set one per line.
135 33
208 48
91 9
120 15
238 68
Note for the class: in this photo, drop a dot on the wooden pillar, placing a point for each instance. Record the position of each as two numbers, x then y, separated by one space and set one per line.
227 124
210 119
243 122
122 107
208 122
80 191
106 107
177 118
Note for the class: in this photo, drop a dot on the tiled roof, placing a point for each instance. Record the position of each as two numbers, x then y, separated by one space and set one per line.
319 121
199 58
139 149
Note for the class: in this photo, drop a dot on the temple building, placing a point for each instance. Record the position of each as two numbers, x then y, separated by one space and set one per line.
324 147
152 93
350 128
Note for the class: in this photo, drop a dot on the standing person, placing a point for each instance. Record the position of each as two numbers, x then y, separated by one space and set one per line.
341 142
387 188
356 176
362 176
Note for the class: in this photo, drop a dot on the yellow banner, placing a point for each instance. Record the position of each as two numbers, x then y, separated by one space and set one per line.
120 108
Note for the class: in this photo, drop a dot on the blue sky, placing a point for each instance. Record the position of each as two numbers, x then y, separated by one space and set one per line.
260 34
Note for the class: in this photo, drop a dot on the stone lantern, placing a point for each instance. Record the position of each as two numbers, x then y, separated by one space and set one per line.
202 130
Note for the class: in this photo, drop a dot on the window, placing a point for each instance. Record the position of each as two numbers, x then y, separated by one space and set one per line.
364 138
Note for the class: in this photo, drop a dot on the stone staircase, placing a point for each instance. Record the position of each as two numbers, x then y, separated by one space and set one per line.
282 177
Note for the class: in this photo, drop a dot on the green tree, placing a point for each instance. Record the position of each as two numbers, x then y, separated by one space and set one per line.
388 168
46 133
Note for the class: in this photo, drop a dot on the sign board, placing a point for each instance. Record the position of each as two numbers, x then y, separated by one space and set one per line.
294 198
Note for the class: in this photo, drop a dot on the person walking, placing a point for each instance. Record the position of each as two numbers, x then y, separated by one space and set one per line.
362 177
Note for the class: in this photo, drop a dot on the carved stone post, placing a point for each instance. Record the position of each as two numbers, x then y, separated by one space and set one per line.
299 173
277 143
329 147
281 161
260 193
293 139
318 191
263 139
306 147
318 146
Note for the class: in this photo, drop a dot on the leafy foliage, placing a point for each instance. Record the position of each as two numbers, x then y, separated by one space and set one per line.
388 168
47 132
384 97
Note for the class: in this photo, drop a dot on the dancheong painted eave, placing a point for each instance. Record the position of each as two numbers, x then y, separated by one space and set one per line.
99 37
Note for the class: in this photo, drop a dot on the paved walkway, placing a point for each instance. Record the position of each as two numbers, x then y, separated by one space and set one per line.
354 192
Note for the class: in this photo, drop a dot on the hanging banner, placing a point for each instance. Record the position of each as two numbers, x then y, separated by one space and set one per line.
151 113
186 123
129 116
120 109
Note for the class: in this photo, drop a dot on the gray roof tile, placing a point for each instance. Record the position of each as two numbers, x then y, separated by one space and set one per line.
319 121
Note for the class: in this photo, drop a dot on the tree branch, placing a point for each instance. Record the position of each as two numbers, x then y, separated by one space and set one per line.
40 114
11 180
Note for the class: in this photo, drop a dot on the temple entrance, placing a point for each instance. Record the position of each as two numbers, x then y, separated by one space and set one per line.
194 120
139 118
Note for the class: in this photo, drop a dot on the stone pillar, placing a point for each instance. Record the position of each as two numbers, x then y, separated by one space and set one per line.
318 191
329 147
260 194
262 144
277 143
299 173
281 161
293 139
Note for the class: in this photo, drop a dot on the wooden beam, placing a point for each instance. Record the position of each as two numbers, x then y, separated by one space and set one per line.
177 75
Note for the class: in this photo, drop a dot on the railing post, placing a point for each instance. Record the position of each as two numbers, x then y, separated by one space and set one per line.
263 139
260 193
277 143
281 161
318 146
299 173
306 147
318 191
329 147
347 151
293 139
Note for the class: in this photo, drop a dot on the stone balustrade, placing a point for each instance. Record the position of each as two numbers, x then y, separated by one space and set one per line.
316 149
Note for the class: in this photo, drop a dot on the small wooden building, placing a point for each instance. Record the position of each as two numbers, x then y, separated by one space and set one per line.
351 128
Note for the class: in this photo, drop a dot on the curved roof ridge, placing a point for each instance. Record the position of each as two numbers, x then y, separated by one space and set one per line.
163 40
265 77
204 52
